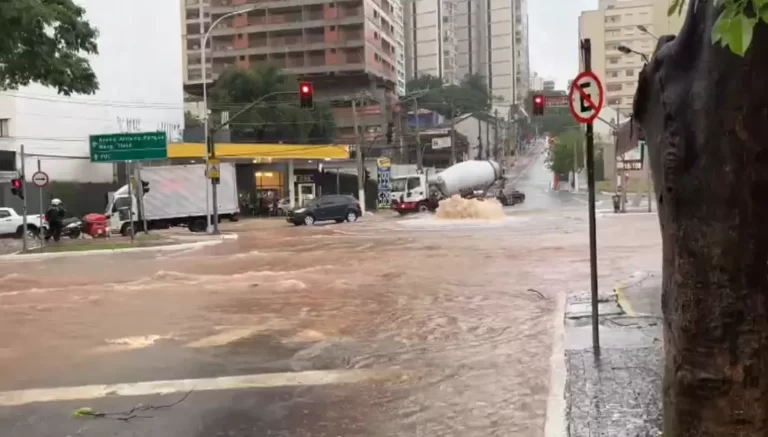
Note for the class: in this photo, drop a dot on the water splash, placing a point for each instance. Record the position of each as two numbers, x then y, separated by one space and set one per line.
473 209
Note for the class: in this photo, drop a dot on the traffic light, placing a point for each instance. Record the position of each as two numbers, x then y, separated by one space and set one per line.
305 95
17 188
538 104
390 132
144 187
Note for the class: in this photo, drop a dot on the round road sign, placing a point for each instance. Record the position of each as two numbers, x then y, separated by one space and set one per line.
40 179
586 97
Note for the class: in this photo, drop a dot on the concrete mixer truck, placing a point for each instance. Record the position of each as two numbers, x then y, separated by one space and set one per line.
423 192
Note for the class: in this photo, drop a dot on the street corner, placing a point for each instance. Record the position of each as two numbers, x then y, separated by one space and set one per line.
617 392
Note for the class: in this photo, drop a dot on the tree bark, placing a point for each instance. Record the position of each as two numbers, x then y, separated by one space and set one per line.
704 112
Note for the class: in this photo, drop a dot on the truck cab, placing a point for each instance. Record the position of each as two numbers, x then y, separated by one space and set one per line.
120 209
411 193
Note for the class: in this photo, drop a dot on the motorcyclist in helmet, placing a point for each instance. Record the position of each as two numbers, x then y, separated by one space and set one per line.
55 217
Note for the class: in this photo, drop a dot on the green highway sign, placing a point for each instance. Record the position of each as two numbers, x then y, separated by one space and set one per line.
137 146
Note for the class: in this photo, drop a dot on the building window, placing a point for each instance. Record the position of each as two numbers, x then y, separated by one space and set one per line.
613 74
613 87
4 127
630 72
614 102
613 60
612 18
242 57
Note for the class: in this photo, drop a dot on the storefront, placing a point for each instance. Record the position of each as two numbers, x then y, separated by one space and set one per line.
267 173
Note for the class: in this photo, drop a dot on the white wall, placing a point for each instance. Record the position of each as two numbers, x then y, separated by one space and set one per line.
139 69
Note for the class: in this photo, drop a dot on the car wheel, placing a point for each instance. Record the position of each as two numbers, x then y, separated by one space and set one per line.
309 220
423 208
351 216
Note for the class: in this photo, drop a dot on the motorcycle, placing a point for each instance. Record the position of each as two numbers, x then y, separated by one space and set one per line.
72 227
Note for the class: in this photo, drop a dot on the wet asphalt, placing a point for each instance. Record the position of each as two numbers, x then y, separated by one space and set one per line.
451 323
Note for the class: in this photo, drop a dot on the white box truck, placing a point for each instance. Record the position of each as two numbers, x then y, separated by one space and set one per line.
176 197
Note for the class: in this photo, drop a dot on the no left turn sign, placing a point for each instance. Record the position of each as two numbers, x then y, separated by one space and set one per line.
586 97
40 179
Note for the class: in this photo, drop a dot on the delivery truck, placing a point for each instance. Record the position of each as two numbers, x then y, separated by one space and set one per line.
176 197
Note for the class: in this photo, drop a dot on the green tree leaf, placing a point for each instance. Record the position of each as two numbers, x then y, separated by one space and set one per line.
737 33
673 7
45 41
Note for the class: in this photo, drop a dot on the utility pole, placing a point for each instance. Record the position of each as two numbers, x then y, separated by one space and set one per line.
496 134
419 158
140 196
130 196
586 47
23 203
359 159
214 183
575 167
453 134
42 212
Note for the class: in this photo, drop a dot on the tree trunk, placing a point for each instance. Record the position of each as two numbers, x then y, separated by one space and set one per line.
704 112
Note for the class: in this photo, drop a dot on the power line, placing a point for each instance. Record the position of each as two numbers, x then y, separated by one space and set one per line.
113 103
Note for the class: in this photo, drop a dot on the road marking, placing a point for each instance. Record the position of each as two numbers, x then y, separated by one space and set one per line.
623 302
269 380
554 425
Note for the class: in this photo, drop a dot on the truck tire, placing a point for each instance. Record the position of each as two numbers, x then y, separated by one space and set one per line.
423 207
32 231
197 225
125 230
234 218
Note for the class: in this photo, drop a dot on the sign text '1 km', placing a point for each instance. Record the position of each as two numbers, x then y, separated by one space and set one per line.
586 97
137 146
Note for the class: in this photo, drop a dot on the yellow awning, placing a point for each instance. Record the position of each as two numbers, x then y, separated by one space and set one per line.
258 150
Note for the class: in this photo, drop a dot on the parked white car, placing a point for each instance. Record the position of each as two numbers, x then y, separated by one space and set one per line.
12 224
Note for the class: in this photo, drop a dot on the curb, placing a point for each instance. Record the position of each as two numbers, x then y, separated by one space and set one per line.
555 419
18 256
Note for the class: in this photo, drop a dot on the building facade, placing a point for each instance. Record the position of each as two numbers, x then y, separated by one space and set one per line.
140 89
344 48
632 23
431 42
492 40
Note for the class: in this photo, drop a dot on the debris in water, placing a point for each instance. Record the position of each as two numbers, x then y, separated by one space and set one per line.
457 207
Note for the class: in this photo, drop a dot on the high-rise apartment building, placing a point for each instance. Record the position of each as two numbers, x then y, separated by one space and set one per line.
431 39
632 23
493 41
343 46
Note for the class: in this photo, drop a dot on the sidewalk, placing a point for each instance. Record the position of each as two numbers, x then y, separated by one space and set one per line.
619 394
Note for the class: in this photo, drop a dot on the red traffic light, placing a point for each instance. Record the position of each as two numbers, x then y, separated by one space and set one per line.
538 104
16 183
305 95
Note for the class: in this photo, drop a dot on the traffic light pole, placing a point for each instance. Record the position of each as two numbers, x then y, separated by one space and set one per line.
23 203
359 160
586 47
212 152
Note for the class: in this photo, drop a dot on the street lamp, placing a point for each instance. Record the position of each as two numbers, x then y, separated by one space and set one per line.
626 50
644 29
205 98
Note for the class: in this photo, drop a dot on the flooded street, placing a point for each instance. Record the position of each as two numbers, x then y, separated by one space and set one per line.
390 326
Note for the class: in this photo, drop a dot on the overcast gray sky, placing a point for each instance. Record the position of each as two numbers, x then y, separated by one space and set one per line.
553 32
